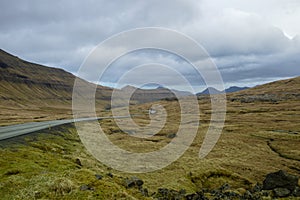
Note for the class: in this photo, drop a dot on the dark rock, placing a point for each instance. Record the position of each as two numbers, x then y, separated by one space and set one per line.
218 194
280 179
256 196
266 193
257 188
85 187
144 192
248 195
78 162
182 191
165 194
110 175
98 176
163 191
231 194
171 135
281 192
133 182
296 192
195 196
224 187
221 193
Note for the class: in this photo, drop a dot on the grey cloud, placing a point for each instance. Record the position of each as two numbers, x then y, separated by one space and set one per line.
246 39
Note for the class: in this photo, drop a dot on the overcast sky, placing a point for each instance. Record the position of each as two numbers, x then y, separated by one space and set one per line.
251 41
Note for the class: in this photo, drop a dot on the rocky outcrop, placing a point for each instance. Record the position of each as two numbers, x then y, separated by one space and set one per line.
282 184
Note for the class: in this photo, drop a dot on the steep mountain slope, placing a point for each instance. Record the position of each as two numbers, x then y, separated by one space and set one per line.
235 89
29 82
150 95
209 90
270 92
32 92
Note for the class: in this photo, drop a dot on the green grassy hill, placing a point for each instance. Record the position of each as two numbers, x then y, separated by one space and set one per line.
32 92
260 136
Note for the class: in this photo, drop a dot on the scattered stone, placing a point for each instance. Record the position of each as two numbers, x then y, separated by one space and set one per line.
248 195
218 194
281 192
182 191
110 175
144 192
85 187
231 194
98 176
171 135
280 179
224 187
296 192
164 193
257 188
78 162
266 193
133 182
256 196
195 196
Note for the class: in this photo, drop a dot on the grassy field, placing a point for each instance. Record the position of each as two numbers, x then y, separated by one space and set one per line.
258 138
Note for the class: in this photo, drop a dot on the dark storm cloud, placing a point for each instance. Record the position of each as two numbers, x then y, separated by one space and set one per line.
248 40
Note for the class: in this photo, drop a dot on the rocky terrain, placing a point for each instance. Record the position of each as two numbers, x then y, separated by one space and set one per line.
275 185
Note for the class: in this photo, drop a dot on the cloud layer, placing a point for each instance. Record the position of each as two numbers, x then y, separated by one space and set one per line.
250 41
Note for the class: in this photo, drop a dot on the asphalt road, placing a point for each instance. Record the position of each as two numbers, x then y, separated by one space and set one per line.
22 129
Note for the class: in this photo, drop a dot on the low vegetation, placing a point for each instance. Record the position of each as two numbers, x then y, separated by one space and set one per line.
257 139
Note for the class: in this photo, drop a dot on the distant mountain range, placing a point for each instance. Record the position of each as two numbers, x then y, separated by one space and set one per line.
46 91
149 95
211 90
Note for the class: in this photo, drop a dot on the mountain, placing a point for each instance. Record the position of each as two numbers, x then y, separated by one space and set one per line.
31 92
274 92
209 90
149 95
281 87
235 89
26 82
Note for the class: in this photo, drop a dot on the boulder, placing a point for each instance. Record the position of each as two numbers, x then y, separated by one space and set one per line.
281 192
257 188
110 175
248 195
296 192
280 179
171 135
164 193
98 176
133 182
195 196
144 192
85 187
78 162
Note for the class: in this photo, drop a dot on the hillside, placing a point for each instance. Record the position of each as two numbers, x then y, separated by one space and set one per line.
33 92
211 90
150 95
259 138
271 92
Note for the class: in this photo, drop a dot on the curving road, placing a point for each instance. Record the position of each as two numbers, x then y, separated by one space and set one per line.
7 132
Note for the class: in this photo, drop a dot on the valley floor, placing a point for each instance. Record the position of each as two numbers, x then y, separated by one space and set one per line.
258 138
